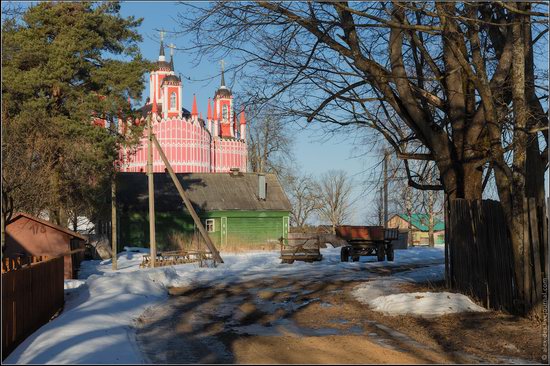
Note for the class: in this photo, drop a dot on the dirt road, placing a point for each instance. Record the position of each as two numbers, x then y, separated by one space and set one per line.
294 320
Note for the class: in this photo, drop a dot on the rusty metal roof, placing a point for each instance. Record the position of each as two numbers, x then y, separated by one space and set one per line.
207 192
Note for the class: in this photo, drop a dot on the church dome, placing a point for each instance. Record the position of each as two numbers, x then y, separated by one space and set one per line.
164 66
223 92
171 79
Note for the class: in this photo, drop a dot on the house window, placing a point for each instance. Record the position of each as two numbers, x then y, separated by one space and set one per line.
225 112
173 100
210 225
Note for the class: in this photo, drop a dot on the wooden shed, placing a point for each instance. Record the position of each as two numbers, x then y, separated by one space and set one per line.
27 235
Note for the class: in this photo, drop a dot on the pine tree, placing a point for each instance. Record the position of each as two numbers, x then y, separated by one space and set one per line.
62 64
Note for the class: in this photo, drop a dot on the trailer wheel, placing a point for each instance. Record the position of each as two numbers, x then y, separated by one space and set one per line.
380 253
344 254
389 253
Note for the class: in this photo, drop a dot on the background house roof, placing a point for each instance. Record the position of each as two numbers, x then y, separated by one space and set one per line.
207 192
420 221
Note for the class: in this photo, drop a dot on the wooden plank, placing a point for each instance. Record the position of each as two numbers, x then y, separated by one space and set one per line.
535 250
527 284
30 297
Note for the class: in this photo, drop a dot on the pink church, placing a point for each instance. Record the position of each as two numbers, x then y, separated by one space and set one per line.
191 144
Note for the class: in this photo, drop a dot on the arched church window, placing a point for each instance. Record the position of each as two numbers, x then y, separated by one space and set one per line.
225 112
173 100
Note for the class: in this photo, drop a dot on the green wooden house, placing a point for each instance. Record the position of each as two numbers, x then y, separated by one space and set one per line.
237 209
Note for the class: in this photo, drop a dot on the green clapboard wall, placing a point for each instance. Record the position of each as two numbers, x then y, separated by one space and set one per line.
252 228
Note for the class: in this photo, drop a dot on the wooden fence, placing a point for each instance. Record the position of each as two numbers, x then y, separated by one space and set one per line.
480 258
32 292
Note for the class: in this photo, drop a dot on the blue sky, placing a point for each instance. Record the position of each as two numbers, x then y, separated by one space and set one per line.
314 152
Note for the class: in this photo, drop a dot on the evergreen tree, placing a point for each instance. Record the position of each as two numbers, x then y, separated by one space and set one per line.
64 64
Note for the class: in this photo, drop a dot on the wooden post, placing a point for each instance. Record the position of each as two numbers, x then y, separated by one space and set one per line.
3 235
113 224
196 219
152 241
386 155
447 251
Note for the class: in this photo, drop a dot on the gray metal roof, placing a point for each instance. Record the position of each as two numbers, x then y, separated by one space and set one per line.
207 192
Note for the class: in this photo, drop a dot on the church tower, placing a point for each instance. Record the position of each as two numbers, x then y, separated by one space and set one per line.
165 87
223 105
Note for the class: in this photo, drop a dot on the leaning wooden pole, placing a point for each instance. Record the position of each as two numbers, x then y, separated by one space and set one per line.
152 241
209 244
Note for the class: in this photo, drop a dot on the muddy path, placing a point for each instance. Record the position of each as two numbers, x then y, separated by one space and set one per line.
297 320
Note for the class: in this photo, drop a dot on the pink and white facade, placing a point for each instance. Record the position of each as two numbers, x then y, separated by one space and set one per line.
190 143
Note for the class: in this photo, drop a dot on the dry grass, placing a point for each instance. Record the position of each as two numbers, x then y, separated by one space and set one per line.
237 246
184 241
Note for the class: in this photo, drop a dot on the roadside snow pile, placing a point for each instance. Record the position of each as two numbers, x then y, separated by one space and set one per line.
424 304
73 284
385 295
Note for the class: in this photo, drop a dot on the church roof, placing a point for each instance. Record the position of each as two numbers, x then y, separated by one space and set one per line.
173 78
146 109
206 191
223 92
163 65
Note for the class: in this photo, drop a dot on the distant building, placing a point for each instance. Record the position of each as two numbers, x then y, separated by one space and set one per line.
419 228
191 144
235 208
27 235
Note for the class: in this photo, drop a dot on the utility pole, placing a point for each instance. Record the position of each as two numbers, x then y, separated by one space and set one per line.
113 223
386 156
150 177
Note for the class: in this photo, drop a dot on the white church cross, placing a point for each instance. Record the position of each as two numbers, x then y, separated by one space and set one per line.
222 63
172 47
162 33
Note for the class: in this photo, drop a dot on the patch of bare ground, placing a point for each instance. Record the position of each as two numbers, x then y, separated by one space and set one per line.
493 336
295 321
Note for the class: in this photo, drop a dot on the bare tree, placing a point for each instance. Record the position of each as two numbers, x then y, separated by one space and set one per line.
303 193
455 82
335 201
269 143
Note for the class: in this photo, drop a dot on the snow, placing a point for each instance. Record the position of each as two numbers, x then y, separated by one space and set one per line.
424 304
96 325
385 295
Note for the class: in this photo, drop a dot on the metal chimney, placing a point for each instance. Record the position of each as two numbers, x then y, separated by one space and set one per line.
261 187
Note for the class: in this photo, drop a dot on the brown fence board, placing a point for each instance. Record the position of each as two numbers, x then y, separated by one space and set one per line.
31 295
481 257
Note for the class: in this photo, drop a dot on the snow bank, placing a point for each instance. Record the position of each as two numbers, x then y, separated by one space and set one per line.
73 284
385 295
96 325
424 304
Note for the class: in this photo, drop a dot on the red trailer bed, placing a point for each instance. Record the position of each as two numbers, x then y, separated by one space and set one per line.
366 240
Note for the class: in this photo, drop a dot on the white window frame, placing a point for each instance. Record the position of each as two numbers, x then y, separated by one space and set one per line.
225 111
174 99
208 221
